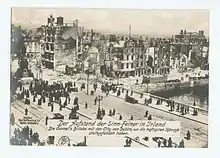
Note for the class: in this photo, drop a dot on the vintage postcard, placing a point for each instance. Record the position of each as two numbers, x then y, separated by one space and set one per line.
109 77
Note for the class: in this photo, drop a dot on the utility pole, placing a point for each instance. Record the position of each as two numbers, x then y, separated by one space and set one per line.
117 71
130 31
88 82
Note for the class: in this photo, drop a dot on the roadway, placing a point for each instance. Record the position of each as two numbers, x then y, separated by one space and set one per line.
199 132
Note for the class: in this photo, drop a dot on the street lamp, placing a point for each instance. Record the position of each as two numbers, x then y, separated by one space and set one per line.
148 81
165 75
88 72
99 112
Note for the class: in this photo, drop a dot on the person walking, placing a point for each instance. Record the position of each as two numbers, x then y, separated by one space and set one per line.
146 113
120 117
26 111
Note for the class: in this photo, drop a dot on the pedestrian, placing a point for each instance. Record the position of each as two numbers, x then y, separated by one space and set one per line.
118 93
146 113
34 98
158 102
131 93
20 86
130 141
110 112
27 94
68 99
65 102
39 102
141 95
181 144
52 108
86 105
103 112
150 117
46 120
113 113
107 93
26 111
165 143
126 143
188 135
44 99
131 117
195 113
60 107
145 101
95 100
178 107
170 143
31 132
150 101
159 144
182 110
120 117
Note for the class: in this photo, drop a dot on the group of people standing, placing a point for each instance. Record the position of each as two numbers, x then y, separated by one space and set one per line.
25 136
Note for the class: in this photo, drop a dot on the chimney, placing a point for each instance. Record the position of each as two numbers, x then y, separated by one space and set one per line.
76 22
181 32
91 35
85 140
130 31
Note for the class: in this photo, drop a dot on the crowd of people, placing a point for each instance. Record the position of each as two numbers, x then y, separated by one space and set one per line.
25 136
55 91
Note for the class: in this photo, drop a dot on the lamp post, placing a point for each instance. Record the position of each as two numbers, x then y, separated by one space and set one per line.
99 112
99 99
87 72
148 81
165 82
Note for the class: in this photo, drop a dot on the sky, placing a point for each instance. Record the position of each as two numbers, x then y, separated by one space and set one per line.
160 22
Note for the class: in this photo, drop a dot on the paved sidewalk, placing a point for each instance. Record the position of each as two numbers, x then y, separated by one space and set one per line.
199 118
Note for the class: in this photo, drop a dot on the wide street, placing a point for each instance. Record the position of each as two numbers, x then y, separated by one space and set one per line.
199 132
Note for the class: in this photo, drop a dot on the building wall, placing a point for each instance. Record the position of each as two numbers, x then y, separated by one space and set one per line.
48 57
32 48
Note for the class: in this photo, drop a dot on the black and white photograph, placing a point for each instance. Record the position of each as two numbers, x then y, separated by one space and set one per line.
83 66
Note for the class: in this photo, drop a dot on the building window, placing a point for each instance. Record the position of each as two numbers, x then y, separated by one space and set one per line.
137 65
52 47
132 50
122 66
127 65
141 56
132 57
142 63
47 46
127 57
132 65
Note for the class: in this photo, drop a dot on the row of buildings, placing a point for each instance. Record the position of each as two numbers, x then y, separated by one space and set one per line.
120 56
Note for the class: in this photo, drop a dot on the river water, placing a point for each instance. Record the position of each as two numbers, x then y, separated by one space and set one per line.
188 95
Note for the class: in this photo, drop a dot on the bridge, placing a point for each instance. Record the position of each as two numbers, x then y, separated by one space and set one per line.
200 117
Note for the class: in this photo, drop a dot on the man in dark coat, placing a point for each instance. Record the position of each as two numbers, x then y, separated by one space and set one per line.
46 120
110 112
113 112
150 117
170 143
146 113
26 111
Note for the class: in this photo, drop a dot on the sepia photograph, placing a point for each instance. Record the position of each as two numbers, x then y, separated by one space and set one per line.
109 77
